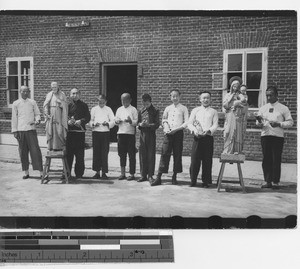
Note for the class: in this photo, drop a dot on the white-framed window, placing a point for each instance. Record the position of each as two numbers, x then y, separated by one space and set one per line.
251 65
19 72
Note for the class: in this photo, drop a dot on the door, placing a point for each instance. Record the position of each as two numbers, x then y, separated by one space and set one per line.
118 79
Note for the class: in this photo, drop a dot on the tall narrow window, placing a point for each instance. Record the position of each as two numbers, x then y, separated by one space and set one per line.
19 72
251 66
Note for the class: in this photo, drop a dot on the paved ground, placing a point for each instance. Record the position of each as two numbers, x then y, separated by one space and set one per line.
90 197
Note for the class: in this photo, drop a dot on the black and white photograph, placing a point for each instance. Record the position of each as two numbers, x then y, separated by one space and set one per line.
152 114
173 118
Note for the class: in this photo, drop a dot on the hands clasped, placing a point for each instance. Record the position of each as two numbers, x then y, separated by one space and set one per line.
72 122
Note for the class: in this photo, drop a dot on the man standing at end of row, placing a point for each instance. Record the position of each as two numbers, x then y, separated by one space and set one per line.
203 122
273 117
25 116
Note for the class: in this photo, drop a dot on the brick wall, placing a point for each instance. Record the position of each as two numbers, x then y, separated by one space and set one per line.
172 52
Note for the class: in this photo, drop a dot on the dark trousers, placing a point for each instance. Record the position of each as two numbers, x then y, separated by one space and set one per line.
147 153
75 147
126 144
202 151
100 151
272 147
28 143
171 143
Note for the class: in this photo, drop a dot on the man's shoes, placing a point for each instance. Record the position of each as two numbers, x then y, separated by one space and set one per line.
122 177
193 184
142 179
156 181
26 176
205 185
130 178
275 186
267 186
174 179
104 176
96 176
150 179
45 180
79 177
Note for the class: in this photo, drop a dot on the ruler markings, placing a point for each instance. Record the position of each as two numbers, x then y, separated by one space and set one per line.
140 246
87 247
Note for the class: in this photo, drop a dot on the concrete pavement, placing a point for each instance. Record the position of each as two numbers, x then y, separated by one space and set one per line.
115 198
250 169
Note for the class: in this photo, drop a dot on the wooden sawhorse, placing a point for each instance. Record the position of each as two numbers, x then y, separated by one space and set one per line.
231 158
55 155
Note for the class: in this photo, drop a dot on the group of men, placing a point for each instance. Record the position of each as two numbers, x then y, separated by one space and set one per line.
66 126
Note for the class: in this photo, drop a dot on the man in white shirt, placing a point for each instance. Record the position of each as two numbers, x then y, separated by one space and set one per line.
174 121
102 120
273 118
25 116
126 118
203 122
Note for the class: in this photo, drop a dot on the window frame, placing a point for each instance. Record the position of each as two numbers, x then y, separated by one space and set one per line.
31 81
264 70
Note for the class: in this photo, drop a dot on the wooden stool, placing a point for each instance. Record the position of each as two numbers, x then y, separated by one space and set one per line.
55 155
231 158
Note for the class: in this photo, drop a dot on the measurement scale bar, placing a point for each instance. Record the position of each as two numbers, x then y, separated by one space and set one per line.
86 246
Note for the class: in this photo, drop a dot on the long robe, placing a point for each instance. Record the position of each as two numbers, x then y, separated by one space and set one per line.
57 120
235 124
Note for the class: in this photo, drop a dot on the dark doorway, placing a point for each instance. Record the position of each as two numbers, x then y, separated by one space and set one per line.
119 79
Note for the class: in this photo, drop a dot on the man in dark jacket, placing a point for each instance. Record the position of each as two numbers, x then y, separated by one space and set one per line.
148 122
78 117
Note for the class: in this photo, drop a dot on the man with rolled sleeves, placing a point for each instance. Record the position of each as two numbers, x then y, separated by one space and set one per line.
25 117
273 118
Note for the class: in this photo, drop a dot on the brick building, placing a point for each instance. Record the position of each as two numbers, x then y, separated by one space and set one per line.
153 52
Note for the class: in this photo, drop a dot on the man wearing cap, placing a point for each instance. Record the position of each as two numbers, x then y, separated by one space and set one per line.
148 122
25 117
273 117
78 117
102 120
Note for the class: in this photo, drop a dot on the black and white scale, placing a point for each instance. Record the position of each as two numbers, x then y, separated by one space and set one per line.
86 246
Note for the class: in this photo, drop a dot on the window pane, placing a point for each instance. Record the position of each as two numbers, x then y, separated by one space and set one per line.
13 96
253 98
253 80
235 62
230 75
25 80
13 68
12 82
254 61
25 67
